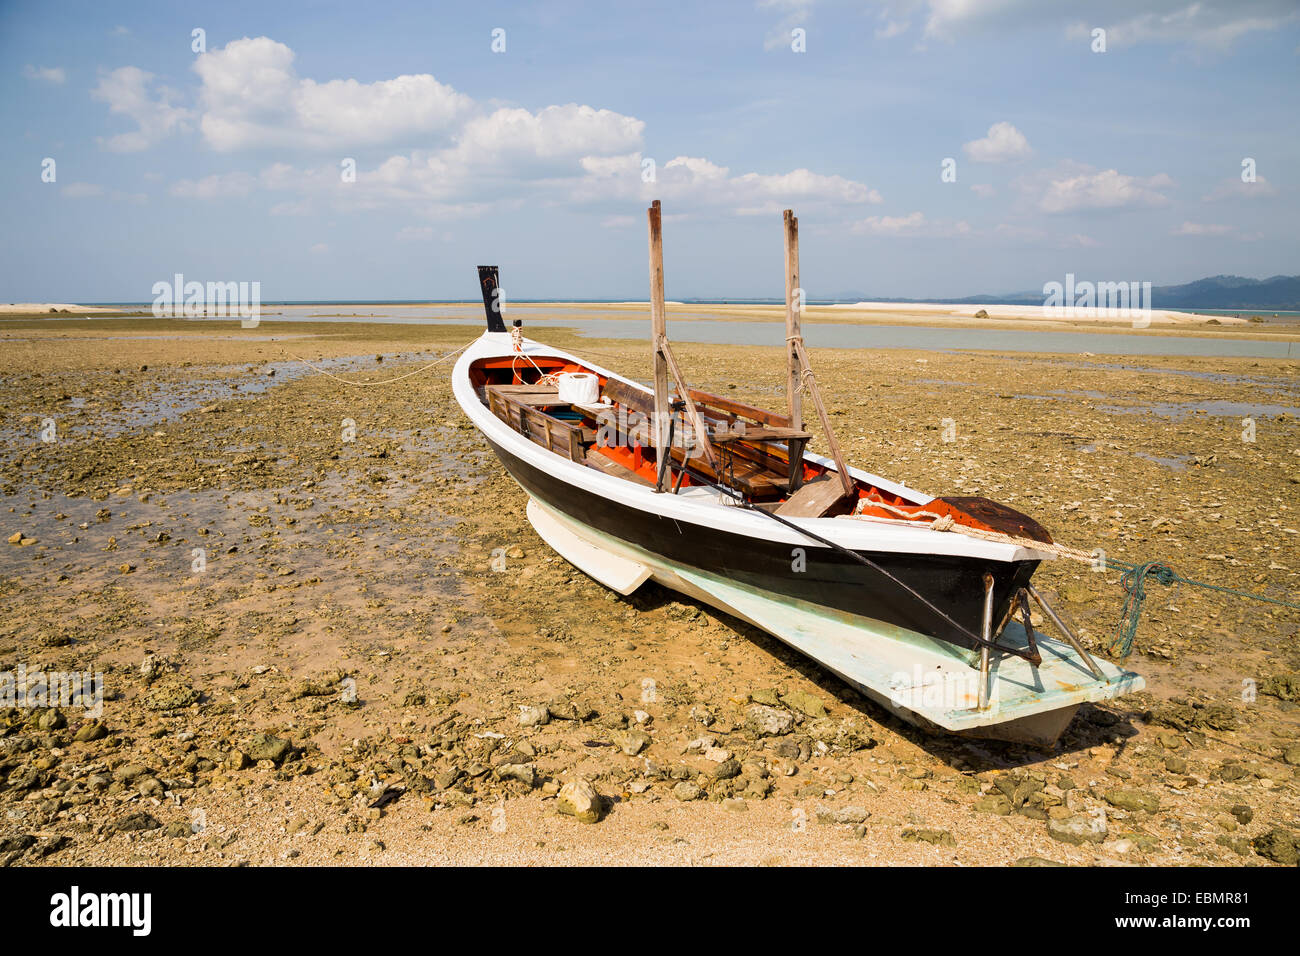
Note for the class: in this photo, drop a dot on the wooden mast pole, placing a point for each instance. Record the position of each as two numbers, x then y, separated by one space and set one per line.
658 330
793 387
664 360
800 367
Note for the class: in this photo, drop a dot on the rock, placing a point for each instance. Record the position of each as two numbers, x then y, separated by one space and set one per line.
1078 829
1281 686
1292 755
727 769
1238 845
579 799
804 703
842 816
631 742
269 747
1134 800
533 715
16 538
1242 813
1036 861
310 688
89 731
131 772
237 760
170 694
764 721
52 719
522 772
997 803
936 837
136 821
1278 845
687 791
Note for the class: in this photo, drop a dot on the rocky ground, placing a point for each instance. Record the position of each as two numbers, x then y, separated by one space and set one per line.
293 589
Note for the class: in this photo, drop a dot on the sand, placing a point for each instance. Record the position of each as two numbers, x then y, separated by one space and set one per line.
348 605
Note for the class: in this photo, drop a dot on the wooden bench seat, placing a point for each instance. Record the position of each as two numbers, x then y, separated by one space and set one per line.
555 434
609 466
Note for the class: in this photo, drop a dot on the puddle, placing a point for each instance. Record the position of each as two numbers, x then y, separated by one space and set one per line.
1216 408
1176 463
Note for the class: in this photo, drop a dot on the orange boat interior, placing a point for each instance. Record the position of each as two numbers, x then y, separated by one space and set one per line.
757 453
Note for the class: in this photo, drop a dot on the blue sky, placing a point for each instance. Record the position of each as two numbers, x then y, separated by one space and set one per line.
1122 165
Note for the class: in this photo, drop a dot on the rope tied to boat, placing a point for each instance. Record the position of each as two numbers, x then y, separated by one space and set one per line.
1133 580
387 381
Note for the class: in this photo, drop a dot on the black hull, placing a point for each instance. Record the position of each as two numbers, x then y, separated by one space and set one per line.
830 579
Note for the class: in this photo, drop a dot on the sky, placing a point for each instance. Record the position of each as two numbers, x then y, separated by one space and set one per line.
930 148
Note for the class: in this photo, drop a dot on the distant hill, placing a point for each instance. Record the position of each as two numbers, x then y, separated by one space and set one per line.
1275 294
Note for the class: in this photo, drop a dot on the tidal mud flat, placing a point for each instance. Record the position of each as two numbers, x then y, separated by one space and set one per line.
328 634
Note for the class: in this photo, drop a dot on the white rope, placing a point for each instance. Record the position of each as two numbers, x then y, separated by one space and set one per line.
517 341
387 381
948 523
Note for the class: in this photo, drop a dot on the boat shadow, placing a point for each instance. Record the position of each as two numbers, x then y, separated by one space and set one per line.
1092 725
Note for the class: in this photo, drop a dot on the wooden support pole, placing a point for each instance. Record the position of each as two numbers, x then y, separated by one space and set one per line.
658 327
692 413
845 478
664 361
793 306
798 367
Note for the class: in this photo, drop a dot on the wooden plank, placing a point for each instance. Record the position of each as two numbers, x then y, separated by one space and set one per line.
506 389
813 499
629 396
754 433
598 461
741 409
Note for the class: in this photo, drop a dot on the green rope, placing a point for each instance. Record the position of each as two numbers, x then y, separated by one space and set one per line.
1134 584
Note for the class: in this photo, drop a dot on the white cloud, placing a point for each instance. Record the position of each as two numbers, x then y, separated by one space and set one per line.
82 190
983 190
913 224
127 91
696 181
552 139
793 13
292 208
252 98
1080 187
486 160
1004 143
119 31
216 186
46 74
1202 23
319 249
415 234
1201 229
1234 188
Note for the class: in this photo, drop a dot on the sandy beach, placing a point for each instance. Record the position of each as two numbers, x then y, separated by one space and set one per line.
310 654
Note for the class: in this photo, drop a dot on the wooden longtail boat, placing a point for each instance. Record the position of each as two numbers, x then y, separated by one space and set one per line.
920 602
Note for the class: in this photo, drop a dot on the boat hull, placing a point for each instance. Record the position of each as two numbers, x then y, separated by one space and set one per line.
815 574
926 682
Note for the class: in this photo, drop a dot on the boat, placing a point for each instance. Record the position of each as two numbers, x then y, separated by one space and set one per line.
921 603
